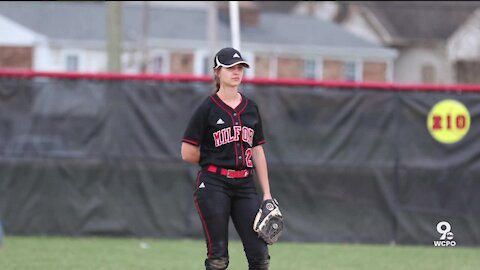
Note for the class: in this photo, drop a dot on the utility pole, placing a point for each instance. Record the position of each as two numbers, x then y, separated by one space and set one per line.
114 33
235 24
212 28
145 34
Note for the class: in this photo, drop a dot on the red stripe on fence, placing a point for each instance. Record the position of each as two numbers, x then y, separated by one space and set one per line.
257 81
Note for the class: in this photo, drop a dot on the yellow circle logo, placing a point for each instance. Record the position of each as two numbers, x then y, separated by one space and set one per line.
448 121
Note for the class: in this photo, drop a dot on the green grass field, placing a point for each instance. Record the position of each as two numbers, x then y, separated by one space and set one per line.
93 253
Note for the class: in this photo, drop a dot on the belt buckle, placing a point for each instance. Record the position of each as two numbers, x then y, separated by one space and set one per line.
230 173
237 174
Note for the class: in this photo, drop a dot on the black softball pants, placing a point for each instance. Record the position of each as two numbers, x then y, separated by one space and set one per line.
217 198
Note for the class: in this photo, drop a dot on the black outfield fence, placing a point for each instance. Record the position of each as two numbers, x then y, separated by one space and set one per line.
99 154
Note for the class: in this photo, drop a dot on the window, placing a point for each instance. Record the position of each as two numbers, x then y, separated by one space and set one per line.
206 67
309 69
428 74
157 64
71 62
332 70
468 71
181 63
374 71
349 70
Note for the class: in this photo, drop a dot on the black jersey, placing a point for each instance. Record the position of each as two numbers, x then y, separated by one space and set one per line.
225 135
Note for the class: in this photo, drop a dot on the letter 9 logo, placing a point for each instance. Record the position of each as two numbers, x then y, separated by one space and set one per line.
444 228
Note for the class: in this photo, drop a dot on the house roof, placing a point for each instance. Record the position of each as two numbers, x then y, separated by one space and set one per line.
277 6
79 21
404 20
421 20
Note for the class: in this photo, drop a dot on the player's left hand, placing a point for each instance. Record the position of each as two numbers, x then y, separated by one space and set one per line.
269 221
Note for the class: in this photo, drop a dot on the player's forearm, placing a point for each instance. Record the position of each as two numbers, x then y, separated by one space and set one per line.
190 153
261 170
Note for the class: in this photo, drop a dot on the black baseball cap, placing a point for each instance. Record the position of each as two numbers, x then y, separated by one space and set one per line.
228 57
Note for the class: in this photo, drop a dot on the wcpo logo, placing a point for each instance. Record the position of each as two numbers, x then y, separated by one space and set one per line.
446 235
448 121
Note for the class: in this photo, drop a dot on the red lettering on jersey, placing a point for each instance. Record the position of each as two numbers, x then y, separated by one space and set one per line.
224 135
236 131
248 157
251 136
227 135
247 135
216 138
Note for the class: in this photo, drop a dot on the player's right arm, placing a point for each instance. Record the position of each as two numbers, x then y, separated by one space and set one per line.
190 153
194 134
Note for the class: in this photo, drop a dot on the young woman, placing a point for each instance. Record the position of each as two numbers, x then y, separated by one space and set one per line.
224 137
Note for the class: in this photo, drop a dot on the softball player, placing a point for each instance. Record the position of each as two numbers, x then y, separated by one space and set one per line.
224 137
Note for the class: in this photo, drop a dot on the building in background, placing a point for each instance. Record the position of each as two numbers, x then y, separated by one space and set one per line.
437 41
71 36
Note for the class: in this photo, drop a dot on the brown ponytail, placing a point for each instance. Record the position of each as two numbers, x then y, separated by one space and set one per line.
216 82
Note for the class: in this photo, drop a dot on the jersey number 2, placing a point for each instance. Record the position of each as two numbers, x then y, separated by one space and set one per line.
248 157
